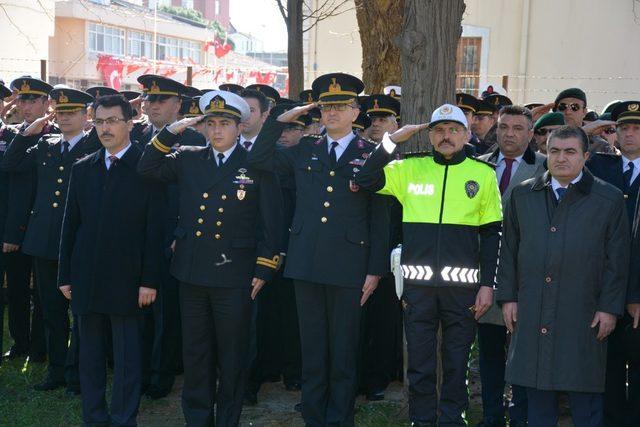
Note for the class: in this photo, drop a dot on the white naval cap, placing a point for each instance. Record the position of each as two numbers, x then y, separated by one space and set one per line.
393 91
448 113
223 103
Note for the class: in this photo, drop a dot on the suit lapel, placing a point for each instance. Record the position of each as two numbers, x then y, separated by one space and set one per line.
524 171
321 151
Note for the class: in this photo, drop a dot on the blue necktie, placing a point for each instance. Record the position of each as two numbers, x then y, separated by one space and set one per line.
628 174
560 192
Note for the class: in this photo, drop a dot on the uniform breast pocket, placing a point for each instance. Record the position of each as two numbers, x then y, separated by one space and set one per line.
358 236
307 169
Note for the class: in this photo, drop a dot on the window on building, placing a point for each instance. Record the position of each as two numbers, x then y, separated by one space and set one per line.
187 4
172 49
103 39
468 65
217 7
140 44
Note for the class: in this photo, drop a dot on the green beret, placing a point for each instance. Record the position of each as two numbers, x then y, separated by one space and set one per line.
605 116
549 119
574 92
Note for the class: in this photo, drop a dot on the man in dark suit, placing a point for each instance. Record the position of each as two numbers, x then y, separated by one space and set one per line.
50 157
33 102
4 195
110 256
515 162
338 247
622 392
162 339
219 262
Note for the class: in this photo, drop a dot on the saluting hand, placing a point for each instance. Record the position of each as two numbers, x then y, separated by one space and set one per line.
146 296
38 125
294 113
256 284
10 247
136 103
179 126
596 127
370 285
541 110
607 324
484 299
510 315
406 132
66 291
634 311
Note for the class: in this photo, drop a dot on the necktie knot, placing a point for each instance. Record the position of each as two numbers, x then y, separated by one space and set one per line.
561 192
628 174
112 161
505 179
247 144
220 159
65 148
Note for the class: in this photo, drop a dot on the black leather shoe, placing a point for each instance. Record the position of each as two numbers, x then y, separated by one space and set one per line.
517 424
48 385
293 386
420 424
375 396
298 407
37 358
15 353
156 392
73 389
250 398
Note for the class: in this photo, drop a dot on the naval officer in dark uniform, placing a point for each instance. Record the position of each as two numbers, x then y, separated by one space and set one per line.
50 157
338 247
163 98
218 260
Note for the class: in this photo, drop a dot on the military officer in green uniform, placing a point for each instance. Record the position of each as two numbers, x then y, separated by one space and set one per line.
338 247
50 157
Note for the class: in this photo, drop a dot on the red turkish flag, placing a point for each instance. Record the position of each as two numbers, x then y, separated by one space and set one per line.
111 69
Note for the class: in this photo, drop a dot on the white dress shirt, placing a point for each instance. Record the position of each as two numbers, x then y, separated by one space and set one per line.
501 165
72 142
119 155
252 141
227 154
636 167
343 143
555 184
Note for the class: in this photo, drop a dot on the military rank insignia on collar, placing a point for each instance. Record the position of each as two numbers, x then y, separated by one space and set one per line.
471 188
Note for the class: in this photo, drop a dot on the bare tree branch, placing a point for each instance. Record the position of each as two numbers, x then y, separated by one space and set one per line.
319 15
18 28
283 10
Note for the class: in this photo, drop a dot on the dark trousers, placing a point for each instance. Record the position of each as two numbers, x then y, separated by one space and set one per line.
492 343
18 271
127 370
622 384
380 352
427 309
586 408
162 341
55 312
215 334
277 340
329 319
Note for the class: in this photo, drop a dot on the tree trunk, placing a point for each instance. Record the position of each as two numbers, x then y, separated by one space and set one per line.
295 57
429 40
380 22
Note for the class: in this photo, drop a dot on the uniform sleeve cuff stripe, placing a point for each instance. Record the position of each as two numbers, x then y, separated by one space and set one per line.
265 264
160 146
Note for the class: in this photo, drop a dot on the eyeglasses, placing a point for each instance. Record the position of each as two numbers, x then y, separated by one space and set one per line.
542 131
442 131
574 107
610 130
109 121
335 107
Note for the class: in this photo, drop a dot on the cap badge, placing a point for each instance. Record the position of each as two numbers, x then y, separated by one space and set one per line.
25 86
392 93
375 104
334 87
309 98
62 98
194 108
445 109
154 87
633 107
217 103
